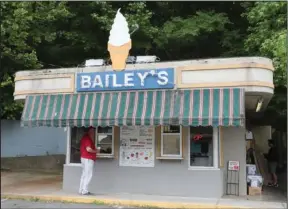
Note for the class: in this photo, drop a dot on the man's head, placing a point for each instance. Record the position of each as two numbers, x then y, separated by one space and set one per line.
91 132
271 143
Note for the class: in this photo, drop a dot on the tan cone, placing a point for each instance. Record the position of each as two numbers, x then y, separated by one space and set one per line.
119 55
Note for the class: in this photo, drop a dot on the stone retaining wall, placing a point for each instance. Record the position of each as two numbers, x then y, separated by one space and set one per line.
48 162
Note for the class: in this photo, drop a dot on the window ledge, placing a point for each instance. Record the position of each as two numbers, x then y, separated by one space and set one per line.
203 168
105 156
74 164
169 158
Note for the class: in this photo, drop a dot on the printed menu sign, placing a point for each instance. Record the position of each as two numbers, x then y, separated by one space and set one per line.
137 146
233 165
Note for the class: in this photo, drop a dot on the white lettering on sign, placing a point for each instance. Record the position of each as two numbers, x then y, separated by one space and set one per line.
142 77
163 78
107 80
85 81
127 79
97 82
114 81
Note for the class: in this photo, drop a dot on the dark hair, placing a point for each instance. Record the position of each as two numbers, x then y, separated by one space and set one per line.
271 141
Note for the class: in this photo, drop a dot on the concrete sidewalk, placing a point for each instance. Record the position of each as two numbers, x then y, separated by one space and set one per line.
47 187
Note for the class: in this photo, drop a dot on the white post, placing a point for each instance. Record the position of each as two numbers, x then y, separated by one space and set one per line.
215 147
68 147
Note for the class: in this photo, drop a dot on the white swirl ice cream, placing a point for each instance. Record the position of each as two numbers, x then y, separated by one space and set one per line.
119 33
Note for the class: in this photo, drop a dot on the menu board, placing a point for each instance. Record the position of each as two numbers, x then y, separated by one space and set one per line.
137 146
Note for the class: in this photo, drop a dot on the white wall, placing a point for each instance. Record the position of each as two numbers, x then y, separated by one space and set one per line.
18 141
234 148
261 136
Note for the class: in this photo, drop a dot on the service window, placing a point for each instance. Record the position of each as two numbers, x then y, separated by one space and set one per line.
105 141
202 144
171 141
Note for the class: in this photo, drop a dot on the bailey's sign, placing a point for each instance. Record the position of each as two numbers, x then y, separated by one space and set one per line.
126 80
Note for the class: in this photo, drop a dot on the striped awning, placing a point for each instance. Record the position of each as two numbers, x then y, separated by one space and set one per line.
198 107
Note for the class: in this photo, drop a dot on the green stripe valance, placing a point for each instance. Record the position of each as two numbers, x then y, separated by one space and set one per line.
198 107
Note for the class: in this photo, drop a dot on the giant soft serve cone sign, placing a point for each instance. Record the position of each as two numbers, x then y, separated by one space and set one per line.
119 43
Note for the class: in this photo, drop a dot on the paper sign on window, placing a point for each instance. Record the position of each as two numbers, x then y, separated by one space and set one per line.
137 146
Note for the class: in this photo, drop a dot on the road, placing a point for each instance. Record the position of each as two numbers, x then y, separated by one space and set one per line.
29 204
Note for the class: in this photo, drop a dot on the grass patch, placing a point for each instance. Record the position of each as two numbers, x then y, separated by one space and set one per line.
98 202
34 199
115 204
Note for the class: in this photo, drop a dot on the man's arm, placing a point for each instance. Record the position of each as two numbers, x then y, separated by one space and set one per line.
88 145
89 149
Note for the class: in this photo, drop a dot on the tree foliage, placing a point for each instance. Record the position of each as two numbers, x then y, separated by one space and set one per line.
24 26
266 37
37 35
267 33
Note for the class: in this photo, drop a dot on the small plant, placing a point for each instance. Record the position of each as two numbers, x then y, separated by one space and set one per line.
97 202
34 199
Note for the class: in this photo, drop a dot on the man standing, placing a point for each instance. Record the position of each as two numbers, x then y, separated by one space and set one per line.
88 157
272 158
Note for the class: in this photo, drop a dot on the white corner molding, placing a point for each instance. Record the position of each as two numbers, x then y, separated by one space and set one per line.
169 158
199 168
105 156
68 145
215 147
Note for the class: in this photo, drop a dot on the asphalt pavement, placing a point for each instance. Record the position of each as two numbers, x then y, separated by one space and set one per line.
5 203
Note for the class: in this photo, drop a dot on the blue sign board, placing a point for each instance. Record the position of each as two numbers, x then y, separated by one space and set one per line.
126 80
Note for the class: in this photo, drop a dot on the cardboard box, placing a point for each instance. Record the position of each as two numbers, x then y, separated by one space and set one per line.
255 191
255 180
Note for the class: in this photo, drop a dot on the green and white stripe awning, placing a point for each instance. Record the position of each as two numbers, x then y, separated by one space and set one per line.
199 107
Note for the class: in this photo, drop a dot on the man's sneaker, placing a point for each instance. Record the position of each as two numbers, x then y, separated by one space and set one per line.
86 193
270 184
276 185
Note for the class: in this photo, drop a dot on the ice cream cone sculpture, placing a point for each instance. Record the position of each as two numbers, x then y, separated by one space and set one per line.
119 43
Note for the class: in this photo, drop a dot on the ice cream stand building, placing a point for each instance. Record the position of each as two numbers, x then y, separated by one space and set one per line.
164 128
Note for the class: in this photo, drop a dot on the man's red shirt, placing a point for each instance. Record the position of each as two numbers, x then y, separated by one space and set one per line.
85 142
